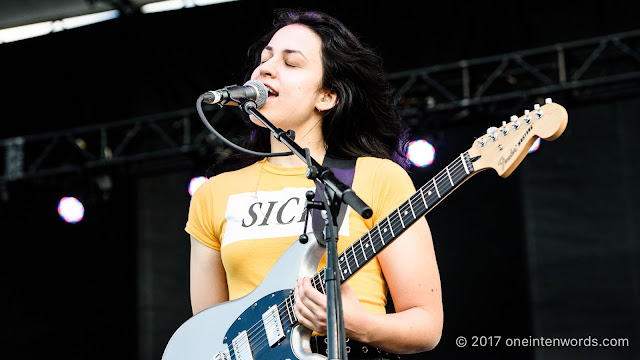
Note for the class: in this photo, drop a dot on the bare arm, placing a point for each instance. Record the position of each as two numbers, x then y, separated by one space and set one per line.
410 268
208 281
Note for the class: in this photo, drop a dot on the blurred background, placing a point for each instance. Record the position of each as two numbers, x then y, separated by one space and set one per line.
102 109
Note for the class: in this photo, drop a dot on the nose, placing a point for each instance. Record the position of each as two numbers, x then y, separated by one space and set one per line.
267 69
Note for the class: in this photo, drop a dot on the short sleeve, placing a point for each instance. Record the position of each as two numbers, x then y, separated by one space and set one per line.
391 186
200 223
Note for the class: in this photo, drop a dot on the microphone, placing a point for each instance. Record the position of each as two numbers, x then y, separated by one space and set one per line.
233 94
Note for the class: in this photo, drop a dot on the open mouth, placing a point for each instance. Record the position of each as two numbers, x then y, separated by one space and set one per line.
271 92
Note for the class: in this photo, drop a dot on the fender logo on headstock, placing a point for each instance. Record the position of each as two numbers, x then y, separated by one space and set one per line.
490 150
503 161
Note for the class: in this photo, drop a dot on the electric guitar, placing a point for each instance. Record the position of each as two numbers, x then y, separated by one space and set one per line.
262 325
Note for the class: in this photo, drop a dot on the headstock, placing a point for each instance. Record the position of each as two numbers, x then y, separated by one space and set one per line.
504 148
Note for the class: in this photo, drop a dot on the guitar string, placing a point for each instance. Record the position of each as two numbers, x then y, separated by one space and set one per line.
257 341
458 169
392 223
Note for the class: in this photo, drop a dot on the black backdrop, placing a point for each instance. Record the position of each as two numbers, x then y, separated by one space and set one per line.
116 285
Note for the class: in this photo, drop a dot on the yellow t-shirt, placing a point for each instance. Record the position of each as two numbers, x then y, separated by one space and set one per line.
254 214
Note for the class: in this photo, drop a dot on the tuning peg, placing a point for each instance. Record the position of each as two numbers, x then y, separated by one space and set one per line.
538 111
504 130
492 133
548 101
527 117
515 123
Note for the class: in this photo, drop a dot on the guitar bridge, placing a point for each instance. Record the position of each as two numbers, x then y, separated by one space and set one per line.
273 326
223 355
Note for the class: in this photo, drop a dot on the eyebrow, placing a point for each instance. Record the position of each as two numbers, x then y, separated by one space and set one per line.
287 51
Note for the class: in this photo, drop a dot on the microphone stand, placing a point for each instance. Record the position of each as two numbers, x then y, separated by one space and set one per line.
336 192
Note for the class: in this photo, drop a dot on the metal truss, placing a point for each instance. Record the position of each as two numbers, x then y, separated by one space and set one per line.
605 65
100 147
608 65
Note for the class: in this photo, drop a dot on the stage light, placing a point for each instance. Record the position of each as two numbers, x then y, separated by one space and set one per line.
534 146
168 5
421 153
47 27
195 183
70 209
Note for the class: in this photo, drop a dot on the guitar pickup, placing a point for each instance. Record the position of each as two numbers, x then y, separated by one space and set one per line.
242 346
273 326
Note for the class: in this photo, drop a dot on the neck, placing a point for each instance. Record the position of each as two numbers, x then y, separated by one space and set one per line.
316 150
311 139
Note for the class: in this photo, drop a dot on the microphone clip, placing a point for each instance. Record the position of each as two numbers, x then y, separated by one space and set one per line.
311 204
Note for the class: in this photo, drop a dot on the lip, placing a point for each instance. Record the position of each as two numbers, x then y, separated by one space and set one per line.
272 92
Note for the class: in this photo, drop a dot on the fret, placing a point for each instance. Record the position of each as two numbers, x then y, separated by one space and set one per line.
371 241
411 206
426 205
428 196
461 171
449 175
322 277
380 233
400 216
354 256
443 184
393 234
436 187
397 227
346 260
464 163
420 205
362 248
406 217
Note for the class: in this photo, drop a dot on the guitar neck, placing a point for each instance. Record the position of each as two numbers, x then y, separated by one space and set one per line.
395 223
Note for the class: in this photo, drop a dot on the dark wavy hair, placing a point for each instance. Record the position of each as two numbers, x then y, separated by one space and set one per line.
365 120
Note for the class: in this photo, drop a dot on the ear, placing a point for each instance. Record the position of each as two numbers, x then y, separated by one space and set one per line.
326 100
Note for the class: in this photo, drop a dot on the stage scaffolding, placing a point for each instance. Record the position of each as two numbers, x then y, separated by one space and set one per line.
597 68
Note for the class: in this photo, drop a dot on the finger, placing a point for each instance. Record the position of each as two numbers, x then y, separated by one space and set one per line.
302 312
313 294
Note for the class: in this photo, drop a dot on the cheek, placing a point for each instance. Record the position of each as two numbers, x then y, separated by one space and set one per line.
254 74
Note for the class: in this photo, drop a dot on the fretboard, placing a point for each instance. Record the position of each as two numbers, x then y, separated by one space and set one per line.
395 223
